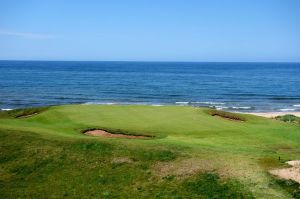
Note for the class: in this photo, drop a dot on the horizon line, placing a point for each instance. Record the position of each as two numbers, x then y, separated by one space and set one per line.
165 61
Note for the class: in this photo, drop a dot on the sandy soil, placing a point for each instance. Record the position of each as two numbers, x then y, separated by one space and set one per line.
292 173
183 168
122 160
112 135
274 114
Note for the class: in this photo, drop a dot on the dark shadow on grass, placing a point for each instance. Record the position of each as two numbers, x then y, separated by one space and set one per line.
209 185
226 115
22 113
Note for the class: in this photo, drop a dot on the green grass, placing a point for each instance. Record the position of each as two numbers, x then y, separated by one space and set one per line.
191 154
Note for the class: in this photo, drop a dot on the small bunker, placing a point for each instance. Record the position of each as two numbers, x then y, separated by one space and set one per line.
103 133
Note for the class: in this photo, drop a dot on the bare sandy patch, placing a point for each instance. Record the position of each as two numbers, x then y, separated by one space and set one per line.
292 173
103 133
122 160
275 114
182 168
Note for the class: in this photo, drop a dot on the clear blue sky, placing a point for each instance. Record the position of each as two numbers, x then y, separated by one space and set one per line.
156 30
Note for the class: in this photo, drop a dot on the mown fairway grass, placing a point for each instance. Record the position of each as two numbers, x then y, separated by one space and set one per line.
192 154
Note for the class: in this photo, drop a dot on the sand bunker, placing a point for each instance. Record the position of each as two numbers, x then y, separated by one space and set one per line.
103 133
292 173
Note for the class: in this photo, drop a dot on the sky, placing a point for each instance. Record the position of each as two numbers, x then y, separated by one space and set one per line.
156 30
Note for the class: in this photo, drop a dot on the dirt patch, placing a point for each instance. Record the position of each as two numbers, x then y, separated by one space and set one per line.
122 160
275 114
183 168
292 173
102 133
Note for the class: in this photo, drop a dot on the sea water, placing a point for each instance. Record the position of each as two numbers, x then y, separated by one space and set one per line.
245 87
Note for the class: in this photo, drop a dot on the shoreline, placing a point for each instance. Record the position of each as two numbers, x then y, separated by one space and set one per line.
267 114
273 114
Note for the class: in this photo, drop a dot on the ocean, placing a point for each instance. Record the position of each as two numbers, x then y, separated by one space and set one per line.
246 87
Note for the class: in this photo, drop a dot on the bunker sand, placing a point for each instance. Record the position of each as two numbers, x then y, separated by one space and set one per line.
102 133
292 173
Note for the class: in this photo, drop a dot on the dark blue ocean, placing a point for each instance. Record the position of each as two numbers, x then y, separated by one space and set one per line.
227 86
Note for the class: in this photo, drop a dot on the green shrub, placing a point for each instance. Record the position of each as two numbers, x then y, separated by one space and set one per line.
288 118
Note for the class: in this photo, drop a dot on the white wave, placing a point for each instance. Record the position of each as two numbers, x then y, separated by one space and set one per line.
287 109
6 109
210 103
121 103
219 107
241 107
181 102
100 103
296 105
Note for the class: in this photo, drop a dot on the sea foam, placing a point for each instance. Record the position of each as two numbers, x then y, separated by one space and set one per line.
100 103
287 109
6 109
209 103
242 107
181 102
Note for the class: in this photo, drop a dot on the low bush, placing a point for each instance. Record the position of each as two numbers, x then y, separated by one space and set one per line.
289 118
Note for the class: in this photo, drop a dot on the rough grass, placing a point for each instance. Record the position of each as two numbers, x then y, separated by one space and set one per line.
34 167
47 156
209 185
289 185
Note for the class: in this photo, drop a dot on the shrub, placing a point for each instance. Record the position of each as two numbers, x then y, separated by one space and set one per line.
288 118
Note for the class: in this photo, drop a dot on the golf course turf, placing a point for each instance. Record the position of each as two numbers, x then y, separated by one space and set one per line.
188 152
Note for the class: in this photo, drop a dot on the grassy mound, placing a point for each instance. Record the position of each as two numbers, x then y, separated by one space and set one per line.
197 155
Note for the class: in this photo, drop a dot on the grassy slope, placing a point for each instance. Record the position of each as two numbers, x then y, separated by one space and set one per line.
47 156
